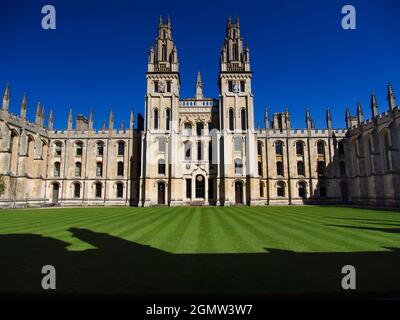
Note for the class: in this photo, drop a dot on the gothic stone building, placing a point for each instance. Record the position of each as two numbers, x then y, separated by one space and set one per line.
199 151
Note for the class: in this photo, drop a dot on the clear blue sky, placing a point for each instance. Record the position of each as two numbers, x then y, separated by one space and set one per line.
301 57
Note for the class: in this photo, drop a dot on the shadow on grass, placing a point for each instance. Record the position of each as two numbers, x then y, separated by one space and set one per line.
121 266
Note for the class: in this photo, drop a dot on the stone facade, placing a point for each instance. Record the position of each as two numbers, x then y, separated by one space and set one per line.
198 151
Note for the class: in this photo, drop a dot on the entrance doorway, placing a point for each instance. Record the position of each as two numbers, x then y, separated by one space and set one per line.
238 192
200 187
55 194
161 193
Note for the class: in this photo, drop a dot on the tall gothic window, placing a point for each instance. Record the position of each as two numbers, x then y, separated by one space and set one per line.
57 169
299 148
161 144
78 169
279 148
300 168
77 190
238 167
120 190
279 168
120 168
231 119
79 149
98 190
199 151
161 166
121 148
167 118
99 169
100 148
321 148
156 119
243 119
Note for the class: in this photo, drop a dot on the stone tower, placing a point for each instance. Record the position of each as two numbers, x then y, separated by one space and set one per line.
236 118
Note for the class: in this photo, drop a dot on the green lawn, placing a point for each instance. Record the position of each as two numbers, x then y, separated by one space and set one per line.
200 250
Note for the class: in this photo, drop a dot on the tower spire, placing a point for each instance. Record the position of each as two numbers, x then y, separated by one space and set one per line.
348 118
199 87
359 113
24 104
390 97
38 113
6 98
91 120
51 120
328 118
131 120
374 105
70 120
266 118
111 121
309 122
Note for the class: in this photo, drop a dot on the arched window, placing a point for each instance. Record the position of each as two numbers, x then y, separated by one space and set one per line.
120 190
199 151
199 128
243 119
231 119
77 190
188 150
121 148
161 144
280 189
279 148
30 154
120 168
98 190
188 128
167 118
299 148
99 169
302 189
14 151
279 168
78 169
161 166
234 52
260 170
57 169
321 168
300 168
100 148
238 167
156 119
321 148
79 149
57 149
164 52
